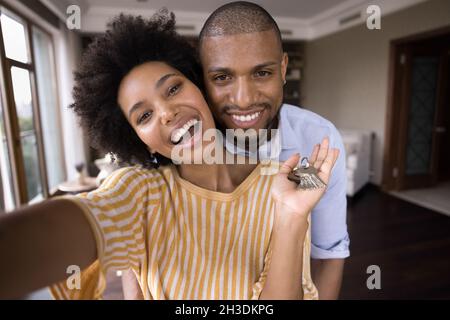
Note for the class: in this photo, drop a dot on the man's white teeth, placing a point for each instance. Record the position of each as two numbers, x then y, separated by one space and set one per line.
248 117
180 132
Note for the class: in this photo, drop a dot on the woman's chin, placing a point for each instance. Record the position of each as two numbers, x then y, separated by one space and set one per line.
188 150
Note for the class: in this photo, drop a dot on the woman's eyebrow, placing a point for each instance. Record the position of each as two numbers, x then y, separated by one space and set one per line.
158 84
136 106
161 81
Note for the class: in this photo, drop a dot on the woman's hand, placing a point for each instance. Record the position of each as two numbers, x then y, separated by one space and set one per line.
297 201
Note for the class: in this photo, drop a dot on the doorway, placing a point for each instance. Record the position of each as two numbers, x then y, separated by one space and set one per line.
418 124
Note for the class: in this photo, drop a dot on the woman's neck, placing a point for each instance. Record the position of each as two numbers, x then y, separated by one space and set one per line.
217 177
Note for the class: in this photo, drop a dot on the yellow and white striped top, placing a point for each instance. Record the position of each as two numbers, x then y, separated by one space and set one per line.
181 241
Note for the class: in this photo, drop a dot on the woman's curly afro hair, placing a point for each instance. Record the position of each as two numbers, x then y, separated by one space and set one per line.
129 42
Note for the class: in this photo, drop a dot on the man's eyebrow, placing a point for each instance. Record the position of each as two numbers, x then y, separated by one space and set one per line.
228 70
219 69
158 84
265 65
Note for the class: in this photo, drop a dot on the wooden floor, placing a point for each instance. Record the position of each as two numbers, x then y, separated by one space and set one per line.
411 245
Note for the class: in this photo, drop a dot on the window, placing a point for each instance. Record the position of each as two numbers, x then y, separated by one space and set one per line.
31 152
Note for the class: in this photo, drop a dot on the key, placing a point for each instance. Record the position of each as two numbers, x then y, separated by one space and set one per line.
306 176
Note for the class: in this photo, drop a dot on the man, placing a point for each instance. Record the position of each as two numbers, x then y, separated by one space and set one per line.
244 71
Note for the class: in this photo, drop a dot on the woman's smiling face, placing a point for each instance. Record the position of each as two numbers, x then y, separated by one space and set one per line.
164 107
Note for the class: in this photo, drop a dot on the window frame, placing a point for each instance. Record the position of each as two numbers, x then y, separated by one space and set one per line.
12 129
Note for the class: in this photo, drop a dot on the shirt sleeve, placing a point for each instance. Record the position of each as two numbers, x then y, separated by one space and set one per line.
330 239
116 212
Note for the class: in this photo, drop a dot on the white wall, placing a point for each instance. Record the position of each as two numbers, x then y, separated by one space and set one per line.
346 74
68 52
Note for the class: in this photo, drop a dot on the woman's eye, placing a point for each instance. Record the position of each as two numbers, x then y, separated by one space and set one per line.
144 117
173 90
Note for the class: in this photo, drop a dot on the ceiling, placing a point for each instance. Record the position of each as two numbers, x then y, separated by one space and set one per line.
297 19
301 9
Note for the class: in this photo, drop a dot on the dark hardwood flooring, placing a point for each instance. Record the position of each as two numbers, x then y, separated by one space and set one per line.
410 244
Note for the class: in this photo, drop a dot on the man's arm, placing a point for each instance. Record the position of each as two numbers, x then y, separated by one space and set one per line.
39 242
330 241
327 277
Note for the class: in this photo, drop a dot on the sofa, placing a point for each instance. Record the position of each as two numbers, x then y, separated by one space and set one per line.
358 149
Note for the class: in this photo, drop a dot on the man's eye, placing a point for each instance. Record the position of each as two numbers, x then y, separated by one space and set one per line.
222 77
144 117
173 90
263 73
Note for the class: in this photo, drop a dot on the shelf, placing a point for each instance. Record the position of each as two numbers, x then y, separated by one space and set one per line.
294 72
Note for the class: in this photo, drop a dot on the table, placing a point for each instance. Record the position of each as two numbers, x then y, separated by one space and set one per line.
75 186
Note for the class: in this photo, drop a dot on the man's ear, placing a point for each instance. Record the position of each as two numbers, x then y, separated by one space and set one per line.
284 64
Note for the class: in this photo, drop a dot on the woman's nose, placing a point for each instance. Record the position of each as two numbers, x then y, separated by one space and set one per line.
168 114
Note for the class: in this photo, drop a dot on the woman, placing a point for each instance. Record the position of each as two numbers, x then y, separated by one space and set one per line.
188 231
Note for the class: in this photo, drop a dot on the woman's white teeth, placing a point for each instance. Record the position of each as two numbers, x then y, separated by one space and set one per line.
248 117
180 132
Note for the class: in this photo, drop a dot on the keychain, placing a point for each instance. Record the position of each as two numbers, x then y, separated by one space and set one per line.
306 176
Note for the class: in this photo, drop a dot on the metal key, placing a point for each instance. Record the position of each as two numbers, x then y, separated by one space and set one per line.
306 176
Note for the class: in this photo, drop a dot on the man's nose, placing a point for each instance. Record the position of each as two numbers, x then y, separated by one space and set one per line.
242 95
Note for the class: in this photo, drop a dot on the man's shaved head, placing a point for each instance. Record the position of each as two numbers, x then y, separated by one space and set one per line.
244 66
237 18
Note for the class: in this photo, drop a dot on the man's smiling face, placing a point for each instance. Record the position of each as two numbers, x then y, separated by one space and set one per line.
244 75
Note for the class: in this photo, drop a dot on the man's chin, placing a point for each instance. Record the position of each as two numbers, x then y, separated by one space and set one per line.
222 125
258 125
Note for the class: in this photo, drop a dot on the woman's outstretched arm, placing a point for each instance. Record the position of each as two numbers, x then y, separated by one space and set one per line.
39 242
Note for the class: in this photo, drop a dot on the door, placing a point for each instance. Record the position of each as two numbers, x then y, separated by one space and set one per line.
422 104
444 130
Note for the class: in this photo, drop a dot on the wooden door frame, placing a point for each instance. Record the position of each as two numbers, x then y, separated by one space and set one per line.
391 163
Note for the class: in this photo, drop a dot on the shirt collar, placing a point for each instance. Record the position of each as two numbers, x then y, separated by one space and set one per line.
287 132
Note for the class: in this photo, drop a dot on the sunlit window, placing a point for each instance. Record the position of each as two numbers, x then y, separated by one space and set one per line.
31 141
14 39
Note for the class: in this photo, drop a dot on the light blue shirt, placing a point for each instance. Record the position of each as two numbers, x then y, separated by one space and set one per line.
299 131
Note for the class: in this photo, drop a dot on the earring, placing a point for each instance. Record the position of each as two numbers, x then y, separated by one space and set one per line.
112 157
153 158
284 82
